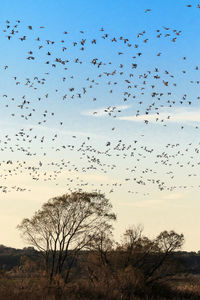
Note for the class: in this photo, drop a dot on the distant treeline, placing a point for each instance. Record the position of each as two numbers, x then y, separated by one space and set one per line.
12 257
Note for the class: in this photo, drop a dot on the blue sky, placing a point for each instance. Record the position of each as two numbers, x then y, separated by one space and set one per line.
86 118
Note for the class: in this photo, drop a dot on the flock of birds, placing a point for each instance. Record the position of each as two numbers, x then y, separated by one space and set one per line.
71 72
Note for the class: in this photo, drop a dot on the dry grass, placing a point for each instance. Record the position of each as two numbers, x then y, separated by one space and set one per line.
32 288
186 285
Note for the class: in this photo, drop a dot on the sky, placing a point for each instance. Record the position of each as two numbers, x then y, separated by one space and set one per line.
107 138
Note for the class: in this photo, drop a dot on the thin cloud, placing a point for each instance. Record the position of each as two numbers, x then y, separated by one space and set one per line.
178 115
103 111
53 130
65 132
174 196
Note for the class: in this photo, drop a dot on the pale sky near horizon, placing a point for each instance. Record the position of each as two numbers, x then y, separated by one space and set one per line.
63 137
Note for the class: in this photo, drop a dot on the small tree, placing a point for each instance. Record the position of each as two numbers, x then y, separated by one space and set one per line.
149 260
167 242
64 226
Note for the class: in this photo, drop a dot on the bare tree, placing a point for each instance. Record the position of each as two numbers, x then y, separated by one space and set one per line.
150 257
64 226
167 242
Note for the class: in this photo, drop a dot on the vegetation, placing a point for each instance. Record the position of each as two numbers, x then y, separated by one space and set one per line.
73 256
67 222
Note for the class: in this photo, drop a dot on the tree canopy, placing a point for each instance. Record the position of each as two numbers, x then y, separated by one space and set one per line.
65 225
